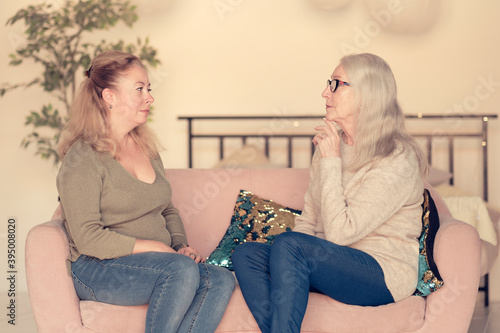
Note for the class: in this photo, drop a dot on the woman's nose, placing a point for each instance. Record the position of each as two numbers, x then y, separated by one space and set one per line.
150 99
326 93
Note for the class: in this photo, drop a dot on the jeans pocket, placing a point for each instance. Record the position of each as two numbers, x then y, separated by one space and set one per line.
84 292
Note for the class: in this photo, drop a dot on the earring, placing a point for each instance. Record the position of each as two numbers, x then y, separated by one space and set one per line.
111 106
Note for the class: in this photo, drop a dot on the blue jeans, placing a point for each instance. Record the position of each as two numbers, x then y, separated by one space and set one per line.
275 279
183 296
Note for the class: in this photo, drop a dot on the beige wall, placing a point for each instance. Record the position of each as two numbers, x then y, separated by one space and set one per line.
261 57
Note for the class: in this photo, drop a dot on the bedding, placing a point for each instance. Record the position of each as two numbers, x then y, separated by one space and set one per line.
472 210
248 156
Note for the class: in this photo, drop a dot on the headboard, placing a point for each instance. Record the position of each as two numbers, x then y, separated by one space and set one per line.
427 128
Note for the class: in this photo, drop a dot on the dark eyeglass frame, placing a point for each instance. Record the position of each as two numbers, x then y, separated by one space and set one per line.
337 84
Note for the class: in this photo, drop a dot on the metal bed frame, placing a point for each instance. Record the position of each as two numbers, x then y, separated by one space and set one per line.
450 136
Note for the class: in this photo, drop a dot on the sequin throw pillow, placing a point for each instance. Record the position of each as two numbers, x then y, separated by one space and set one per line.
429 279
254 220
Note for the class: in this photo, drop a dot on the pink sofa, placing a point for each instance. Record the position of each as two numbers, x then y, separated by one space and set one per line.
205 199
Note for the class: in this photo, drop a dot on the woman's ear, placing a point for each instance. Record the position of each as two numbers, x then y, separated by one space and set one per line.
108 96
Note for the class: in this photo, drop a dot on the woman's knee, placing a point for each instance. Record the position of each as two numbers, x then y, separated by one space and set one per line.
288 236
240 252
287 240
249 252
179 268
288 245
189 268
221 276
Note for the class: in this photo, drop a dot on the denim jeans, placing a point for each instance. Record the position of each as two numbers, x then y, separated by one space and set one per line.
183 296
275 279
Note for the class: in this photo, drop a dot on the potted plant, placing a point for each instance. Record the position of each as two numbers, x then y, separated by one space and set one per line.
58 40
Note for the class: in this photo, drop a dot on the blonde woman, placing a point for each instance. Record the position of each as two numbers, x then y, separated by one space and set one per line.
357 238
127 240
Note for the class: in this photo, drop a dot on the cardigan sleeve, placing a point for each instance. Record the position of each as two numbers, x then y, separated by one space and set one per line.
79 182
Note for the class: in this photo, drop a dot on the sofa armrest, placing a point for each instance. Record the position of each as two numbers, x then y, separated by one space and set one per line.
52 295
457 253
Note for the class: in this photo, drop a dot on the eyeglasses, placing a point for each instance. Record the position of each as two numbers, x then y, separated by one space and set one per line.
334 84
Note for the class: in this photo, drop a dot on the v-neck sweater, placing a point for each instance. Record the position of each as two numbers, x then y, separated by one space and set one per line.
105 208
376 210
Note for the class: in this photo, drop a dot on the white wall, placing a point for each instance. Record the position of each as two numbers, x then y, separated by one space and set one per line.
260 57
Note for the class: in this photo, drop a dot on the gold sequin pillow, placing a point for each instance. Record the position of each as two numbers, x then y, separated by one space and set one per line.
254 220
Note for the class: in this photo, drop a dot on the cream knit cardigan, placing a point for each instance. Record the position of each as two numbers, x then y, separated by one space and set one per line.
376 210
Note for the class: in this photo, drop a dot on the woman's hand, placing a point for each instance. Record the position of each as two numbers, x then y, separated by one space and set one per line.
328 139
191 253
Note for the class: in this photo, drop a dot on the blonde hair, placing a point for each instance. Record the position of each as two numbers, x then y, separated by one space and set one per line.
89 118
381 126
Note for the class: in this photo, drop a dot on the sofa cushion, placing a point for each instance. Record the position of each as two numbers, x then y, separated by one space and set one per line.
323 314
254 220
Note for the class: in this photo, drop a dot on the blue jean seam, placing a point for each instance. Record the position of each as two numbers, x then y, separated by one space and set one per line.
155 312
81 283
294 280
200 304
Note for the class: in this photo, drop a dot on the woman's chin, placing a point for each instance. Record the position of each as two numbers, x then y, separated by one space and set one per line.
330 116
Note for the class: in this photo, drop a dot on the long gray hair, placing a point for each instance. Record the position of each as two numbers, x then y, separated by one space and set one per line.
381 123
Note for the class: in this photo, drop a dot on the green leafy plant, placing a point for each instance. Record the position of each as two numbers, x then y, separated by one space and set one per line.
57 40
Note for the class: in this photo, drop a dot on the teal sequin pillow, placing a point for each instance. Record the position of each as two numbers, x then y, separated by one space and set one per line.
254 220
429 279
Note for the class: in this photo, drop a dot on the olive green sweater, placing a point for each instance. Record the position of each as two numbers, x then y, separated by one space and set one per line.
105 209
376 210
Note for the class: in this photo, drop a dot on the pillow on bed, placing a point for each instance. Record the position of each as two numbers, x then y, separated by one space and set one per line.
254 220
437 177
429 279
248 156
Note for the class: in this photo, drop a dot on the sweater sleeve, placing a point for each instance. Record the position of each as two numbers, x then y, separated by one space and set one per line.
79 182
385 189
174 225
